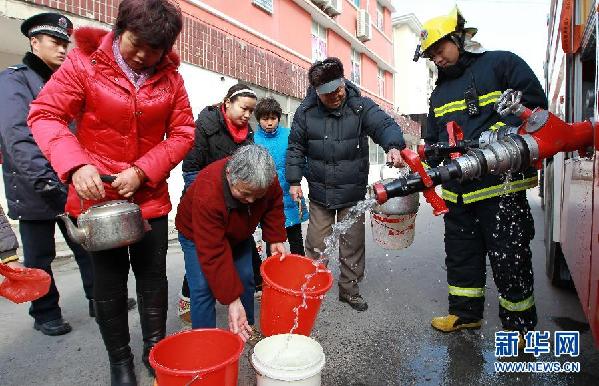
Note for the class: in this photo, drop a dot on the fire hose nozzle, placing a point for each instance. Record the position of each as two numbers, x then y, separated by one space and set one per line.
380 193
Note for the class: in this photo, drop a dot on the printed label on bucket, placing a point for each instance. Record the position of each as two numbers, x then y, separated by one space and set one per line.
393 231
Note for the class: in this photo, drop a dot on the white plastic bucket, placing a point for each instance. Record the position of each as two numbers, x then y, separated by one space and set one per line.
288 359
393 231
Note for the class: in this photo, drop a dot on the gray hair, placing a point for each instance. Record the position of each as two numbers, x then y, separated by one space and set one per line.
253 165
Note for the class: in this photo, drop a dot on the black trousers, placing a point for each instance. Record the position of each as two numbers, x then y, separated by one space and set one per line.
146 257
502 228
39 251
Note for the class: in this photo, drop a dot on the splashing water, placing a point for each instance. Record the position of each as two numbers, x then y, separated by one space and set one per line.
331 246
331 243
304 289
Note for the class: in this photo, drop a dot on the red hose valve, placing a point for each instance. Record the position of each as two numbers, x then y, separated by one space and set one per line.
380 193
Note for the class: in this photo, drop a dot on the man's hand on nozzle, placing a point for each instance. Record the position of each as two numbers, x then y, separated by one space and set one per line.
509 102
394 157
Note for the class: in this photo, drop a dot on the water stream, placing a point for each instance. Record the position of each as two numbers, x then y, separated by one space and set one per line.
331 246
331 243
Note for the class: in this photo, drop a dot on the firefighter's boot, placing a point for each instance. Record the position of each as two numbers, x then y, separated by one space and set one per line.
451 323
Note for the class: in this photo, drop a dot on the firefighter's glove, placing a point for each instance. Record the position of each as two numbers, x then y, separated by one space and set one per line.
509 102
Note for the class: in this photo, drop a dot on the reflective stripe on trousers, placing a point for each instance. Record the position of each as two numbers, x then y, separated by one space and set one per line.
468 292
520 306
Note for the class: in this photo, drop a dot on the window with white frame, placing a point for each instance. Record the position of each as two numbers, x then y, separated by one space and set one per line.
380 16
319 42
356 66
266 5
381 82
376 154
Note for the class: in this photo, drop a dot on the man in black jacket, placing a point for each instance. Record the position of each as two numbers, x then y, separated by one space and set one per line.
489 216
34 193
328 145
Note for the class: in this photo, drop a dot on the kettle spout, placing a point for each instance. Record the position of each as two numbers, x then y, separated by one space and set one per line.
75 234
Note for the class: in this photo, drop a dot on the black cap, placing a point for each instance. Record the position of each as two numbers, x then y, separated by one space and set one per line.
49 23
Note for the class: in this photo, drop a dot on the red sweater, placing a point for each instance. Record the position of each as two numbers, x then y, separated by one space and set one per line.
215 221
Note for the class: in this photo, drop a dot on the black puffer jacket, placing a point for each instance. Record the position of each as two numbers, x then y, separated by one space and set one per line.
330 147
212 140
490 74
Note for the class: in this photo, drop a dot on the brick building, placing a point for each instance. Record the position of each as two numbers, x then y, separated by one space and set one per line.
267 43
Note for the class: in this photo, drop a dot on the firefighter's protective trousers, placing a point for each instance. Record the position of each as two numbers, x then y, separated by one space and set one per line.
499 227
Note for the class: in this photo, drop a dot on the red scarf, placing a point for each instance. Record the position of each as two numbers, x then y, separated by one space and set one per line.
239 134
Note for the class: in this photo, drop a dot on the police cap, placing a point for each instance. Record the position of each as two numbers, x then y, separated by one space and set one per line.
48 23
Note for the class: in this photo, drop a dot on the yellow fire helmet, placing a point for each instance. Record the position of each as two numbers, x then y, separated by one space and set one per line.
437 28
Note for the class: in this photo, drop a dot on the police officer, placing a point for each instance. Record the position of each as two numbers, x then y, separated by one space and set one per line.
490 216
33 191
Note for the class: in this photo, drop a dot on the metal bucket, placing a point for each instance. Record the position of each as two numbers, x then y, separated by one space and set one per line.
393 223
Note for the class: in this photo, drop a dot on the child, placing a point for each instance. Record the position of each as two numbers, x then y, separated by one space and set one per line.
274 138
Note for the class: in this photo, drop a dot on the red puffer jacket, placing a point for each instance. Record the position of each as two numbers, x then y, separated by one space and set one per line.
117 126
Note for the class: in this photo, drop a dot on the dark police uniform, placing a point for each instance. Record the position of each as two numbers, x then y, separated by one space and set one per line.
487 216
33 191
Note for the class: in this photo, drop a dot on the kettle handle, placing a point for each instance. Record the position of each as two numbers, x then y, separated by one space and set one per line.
107 178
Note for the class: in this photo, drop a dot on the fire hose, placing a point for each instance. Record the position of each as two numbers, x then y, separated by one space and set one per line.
508 149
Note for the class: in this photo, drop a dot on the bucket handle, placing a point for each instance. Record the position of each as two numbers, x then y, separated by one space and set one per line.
197 377
402 171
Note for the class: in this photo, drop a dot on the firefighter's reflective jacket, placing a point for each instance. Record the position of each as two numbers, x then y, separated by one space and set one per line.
477 81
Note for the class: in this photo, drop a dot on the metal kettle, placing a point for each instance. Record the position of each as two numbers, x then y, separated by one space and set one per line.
108 225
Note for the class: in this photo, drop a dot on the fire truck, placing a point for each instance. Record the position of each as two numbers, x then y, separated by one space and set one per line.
569 178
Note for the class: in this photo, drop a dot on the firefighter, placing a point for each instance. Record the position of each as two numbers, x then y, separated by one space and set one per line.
490 216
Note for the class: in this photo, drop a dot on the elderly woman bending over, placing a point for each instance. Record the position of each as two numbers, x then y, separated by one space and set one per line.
219 213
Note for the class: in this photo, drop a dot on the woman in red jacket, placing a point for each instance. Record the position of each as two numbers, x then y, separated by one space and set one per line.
126 94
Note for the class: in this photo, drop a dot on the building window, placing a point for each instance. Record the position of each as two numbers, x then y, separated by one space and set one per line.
356 3
266 5
319 42
376 154
380 16
356 64
381 82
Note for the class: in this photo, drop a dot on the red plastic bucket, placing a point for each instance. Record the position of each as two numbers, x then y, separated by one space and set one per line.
281 293
197 357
